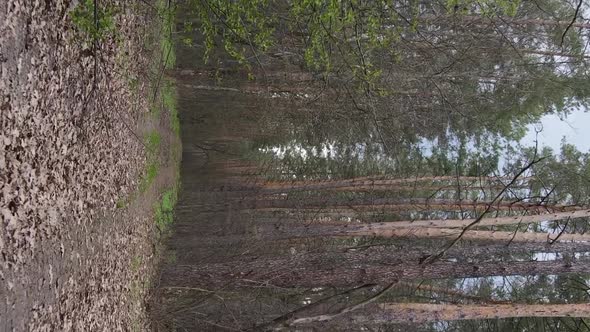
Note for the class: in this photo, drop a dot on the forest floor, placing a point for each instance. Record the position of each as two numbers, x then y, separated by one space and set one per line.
89 154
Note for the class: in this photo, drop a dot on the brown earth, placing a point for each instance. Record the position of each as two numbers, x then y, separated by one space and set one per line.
72 152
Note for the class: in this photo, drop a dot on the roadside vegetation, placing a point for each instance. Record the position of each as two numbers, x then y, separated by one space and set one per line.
160 178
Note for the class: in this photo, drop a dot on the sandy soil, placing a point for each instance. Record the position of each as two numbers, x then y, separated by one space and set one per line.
71 126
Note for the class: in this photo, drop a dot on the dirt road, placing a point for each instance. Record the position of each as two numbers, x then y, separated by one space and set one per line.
76 239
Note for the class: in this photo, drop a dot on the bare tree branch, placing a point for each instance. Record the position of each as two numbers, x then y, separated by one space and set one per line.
572 23
433 258
323 318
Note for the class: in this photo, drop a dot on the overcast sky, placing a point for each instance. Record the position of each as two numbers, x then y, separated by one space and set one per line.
575 128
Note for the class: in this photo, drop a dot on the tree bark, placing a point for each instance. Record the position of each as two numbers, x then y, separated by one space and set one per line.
371 181
451 292
417 204
432 232
428 312
455 223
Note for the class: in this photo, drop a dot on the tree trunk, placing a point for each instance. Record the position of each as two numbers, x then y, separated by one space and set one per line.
371 181
413 187
428 312
416 204
455 223
450 292
451 233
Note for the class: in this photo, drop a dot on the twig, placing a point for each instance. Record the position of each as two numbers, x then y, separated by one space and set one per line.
323 318
288 317
552 241
571 23
433 258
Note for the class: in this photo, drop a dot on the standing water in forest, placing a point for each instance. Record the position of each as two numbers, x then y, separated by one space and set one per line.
366 165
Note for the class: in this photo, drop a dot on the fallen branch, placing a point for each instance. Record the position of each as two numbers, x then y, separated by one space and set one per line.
323 318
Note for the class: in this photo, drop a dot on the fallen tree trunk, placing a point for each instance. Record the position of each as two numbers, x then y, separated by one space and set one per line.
428 312
432 232
375 181
455 223
415 204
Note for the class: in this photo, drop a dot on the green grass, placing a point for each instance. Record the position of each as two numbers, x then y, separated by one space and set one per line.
168 53
121 203
150 175
155 110
152 142
168 16
136 263
161 44
174 122
165 207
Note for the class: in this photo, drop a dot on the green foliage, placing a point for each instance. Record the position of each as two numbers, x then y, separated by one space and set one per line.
164 209
241 25
94 28
168 18
346 34
563 177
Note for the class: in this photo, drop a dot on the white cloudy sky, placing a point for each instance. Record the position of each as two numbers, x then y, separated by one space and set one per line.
575 128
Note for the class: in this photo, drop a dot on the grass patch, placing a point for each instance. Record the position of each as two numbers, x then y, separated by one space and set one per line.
136 263
152 142
155 110
164 210
121 203
167 14
150 175
175 122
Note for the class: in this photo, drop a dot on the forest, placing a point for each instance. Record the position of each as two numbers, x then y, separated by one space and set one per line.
354 165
